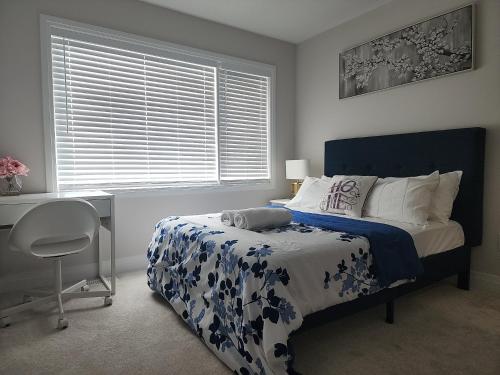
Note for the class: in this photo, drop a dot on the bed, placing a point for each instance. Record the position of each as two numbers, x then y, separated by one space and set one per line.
246 293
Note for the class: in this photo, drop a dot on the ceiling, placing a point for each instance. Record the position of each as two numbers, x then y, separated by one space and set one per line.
289 20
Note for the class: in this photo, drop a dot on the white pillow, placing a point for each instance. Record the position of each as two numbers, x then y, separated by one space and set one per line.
444 196
347 194
310 194
402 199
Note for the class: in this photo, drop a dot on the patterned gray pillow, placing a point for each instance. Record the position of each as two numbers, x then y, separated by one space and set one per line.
347 194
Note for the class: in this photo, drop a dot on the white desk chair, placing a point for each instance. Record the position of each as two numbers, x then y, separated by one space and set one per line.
53 230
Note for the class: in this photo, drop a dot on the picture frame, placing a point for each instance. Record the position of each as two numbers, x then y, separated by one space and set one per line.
431 48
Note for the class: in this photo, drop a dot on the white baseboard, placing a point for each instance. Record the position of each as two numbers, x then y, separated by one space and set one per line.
18 281
484 281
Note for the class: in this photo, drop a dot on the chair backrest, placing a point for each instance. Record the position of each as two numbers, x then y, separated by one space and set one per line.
53 221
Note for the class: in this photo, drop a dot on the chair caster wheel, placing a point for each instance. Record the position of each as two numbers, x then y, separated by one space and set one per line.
62 323
108 301
5 322
85 288
27 298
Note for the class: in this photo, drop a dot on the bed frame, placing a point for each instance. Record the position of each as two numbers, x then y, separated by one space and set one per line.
414 154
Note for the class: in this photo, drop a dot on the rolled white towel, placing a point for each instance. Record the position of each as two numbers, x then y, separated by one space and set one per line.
227 217
262 217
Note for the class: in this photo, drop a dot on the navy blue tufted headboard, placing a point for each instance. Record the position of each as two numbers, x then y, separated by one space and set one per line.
414 154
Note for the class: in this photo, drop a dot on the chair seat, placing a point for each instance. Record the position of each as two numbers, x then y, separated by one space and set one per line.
46 248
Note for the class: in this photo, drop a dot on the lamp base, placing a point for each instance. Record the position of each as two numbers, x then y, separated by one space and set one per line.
295 187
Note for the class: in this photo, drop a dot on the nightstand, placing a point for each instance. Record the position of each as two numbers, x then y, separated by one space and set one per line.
280 202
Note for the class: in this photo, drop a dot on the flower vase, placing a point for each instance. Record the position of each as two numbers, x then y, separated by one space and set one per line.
11 185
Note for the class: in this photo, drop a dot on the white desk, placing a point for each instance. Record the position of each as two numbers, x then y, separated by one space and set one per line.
13 207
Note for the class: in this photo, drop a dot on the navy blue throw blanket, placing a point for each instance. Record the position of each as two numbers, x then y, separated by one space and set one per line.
393 250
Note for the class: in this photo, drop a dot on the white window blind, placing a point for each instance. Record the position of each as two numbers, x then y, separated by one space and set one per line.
243 126
126 118
133 113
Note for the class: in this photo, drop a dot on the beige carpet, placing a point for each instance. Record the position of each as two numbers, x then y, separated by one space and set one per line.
440 330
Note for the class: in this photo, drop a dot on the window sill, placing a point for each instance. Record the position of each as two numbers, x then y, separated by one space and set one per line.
188 190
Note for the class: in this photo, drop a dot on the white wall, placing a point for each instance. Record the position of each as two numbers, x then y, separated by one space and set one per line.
21 130
463 100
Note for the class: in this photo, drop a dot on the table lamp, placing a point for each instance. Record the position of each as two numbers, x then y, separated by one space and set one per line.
297 170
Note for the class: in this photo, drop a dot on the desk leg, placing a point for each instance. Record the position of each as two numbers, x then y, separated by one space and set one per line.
109 224
112 240
99 252
104 224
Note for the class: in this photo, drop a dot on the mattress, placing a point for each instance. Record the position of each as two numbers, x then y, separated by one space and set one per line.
431 238
434 238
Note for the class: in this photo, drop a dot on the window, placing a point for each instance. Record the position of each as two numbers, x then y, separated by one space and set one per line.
243 125
129 112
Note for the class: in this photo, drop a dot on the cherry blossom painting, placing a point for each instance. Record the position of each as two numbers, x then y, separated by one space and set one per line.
433 48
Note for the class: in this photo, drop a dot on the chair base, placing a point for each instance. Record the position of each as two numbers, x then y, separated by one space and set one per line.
30 302
62 323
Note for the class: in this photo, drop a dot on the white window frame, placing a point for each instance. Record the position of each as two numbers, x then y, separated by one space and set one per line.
50 25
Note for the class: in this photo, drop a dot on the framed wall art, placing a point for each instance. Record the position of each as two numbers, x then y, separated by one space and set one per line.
432 48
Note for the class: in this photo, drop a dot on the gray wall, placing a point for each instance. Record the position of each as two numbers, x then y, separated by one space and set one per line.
21 129
459 101
467 99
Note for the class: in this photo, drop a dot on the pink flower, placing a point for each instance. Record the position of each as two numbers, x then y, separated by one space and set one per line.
11 167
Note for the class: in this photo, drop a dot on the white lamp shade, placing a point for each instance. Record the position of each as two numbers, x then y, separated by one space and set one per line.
297 169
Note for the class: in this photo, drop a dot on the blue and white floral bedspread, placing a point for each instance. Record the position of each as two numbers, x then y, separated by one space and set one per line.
245 292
